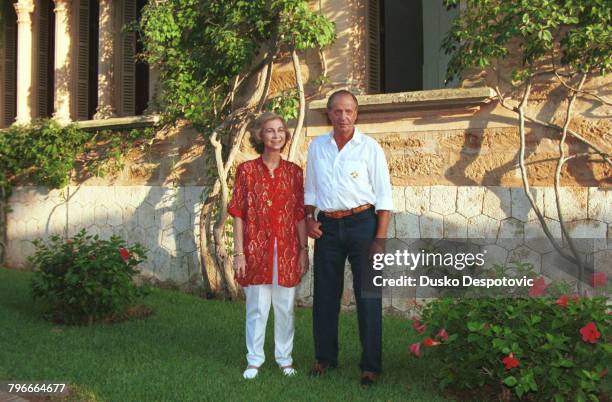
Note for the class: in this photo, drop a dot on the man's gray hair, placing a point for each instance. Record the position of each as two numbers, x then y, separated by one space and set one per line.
339 92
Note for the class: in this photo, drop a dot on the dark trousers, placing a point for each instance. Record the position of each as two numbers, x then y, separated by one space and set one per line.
346 237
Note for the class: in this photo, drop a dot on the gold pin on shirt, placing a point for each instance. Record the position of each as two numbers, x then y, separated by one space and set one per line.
355 174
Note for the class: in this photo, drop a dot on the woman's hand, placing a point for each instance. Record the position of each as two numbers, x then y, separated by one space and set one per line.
240 266
303 262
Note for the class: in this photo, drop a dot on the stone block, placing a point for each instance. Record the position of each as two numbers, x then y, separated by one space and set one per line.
511 233
443 199
399 198
407 226
557 268
431 225
497 203
168 240
483 229
164 218
588 235
186 242
455 226
115 216
100 214
417 199
469 201
524 254
536 239
521 207
182 220
574 203
494 254
154 195
145 216
136 195
600 204
391 227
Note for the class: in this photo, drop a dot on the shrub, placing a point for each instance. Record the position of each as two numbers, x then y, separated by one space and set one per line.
540 348
85 278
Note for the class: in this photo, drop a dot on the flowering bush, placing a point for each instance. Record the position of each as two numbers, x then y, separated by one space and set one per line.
540 348
85 278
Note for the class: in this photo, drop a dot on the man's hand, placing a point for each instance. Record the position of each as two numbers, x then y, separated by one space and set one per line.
377 247
303 262
313 228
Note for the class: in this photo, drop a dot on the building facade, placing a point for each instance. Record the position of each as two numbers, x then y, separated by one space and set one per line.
72 60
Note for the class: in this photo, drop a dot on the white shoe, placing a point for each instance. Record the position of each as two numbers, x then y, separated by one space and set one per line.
288 371
250 373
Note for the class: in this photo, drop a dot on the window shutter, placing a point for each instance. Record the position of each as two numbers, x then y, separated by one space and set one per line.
43 58
128 65
373 46
82 61
9 90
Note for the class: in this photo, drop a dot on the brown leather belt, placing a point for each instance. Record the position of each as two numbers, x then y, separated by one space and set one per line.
348 212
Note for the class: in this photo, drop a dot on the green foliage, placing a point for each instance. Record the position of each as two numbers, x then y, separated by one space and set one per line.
46 152
287 105
200 46
85 278
43 149
486 30
544 335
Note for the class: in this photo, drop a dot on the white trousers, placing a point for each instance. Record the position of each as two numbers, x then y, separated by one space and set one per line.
258 300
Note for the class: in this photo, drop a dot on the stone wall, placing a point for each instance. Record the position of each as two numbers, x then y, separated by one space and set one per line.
165 220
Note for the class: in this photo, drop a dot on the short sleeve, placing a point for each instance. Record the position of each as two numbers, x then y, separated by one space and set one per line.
299 194
238 204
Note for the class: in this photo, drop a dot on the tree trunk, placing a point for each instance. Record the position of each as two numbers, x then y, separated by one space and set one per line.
295 142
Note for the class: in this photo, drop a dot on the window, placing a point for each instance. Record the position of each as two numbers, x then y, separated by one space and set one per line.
403 44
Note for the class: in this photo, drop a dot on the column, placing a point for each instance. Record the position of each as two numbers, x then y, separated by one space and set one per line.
152 106
24 9
105 107
62 73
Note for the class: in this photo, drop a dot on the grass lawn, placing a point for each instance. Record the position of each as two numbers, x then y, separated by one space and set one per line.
190 349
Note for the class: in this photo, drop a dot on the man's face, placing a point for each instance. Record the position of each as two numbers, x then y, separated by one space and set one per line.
343 113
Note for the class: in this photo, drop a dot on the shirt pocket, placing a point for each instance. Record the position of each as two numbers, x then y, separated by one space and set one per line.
355 171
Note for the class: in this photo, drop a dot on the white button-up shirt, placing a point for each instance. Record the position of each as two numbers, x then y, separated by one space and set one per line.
340 180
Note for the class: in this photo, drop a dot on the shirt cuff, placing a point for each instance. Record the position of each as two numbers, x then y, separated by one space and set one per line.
235 212
310 199
385 204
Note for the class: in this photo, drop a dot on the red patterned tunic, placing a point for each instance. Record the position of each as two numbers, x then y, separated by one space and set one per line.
270 208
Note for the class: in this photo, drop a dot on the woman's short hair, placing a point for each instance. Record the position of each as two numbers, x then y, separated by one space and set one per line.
256 141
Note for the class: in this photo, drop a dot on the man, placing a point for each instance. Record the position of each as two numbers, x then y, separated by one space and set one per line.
347 179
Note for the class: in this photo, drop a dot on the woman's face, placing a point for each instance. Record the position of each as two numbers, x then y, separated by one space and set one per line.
273 135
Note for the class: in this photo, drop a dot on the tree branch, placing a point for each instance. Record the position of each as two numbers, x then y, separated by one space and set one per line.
295 142
560 162
526 187
502 100
582 91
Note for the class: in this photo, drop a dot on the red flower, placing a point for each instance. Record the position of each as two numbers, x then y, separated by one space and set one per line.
562 301
69 241
599 279
428 343
442 334
538 288
510 361
590 333
415 349
124 253
420 328
575 298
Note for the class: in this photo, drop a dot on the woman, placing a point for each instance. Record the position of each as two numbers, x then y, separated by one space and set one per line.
270 243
